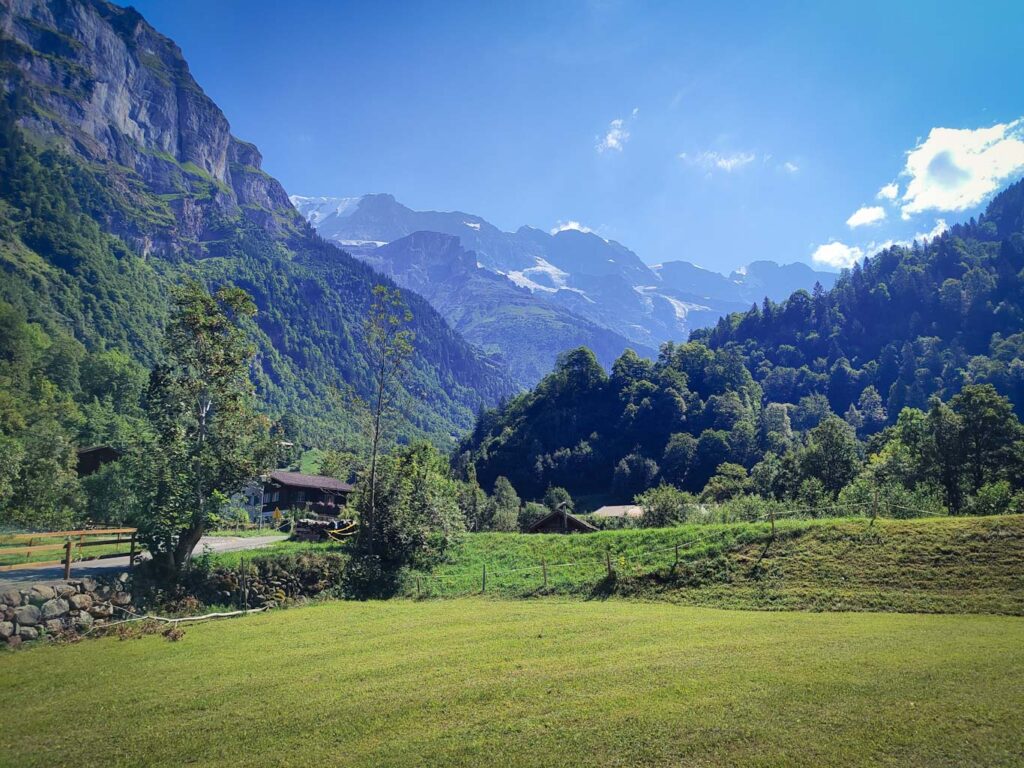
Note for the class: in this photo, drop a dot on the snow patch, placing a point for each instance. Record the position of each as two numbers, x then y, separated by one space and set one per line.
472 225
545 271
316 209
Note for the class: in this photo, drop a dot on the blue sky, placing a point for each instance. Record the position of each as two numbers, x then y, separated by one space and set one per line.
719 133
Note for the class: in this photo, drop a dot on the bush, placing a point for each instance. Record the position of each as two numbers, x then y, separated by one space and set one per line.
995 499
664 505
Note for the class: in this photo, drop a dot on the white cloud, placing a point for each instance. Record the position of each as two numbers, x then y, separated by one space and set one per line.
955 169
716 160
617 135
889 192
790 167
838 255
940 227
865 216
562 226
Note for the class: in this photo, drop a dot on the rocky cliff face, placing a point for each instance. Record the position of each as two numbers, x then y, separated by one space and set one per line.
113 90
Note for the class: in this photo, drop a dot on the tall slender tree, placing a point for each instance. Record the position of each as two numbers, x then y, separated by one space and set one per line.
389 347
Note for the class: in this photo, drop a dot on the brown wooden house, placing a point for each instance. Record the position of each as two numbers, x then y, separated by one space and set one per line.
561 521
312 494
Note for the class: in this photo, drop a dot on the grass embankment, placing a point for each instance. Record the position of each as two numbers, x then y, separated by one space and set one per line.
944 565
542 683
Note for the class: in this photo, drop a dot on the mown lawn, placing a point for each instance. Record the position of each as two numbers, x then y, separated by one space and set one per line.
527 683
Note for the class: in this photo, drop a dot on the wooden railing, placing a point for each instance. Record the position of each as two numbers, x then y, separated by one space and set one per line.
72 540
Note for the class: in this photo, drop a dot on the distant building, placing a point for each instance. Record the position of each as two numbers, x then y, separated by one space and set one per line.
620 510
91 459
561 522
313 494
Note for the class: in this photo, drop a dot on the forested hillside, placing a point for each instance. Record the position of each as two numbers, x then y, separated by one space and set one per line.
120 179
905 376
912 322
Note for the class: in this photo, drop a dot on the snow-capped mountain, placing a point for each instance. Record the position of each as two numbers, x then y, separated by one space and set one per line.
599 281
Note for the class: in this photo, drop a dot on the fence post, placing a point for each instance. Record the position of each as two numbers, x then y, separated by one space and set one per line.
874 504
419 593
67 559
773 521
131 556
544 565
608 561
677 556
483 589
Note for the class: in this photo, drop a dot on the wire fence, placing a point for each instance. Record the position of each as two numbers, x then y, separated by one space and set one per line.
599 572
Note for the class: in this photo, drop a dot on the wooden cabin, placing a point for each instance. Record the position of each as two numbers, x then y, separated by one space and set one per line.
315 495
561 522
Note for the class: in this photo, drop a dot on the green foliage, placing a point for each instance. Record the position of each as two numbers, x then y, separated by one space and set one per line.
664 506
418 516
207 439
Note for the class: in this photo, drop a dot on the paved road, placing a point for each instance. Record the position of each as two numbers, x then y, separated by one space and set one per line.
51 573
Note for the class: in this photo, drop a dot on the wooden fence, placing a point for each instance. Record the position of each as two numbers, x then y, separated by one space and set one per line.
73 540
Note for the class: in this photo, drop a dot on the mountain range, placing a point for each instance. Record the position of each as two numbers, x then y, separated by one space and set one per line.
564 289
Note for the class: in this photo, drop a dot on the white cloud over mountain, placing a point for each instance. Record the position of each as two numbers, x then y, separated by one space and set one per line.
957 168
837 255
865 216
562 226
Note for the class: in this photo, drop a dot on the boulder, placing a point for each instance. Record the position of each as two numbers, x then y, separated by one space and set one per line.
66 590
6 629
54 626
101 611
122 577
14 640
40 593
121 598
26 616
82 602
28 633
87 584
84 621
54 609
11 597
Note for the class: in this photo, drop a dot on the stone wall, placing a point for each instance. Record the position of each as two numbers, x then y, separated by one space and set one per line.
54 609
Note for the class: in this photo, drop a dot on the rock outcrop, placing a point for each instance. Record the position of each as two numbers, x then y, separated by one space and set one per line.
116 92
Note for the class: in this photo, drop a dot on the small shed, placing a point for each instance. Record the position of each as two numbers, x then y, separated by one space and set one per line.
561 522
620 510
92 458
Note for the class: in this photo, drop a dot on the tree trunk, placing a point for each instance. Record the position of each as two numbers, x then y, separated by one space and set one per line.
186 543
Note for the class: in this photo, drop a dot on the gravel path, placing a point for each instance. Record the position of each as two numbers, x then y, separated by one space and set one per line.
52 574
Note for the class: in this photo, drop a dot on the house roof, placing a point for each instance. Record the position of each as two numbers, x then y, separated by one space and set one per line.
572 522
318 482
620 510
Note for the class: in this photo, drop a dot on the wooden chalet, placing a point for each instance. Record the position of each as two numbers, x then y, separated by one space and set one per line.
561 521
313 494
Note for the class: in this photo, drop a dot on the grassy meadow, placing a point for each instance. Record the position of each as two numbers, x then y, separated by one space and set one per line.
527 683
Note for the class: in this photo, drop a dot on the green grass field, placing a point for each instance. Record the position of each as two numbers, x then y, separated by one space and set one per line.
548 682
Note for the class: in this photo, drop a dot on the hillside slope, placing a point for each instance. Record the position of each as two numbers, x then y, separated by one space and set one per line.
128 180
931 565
